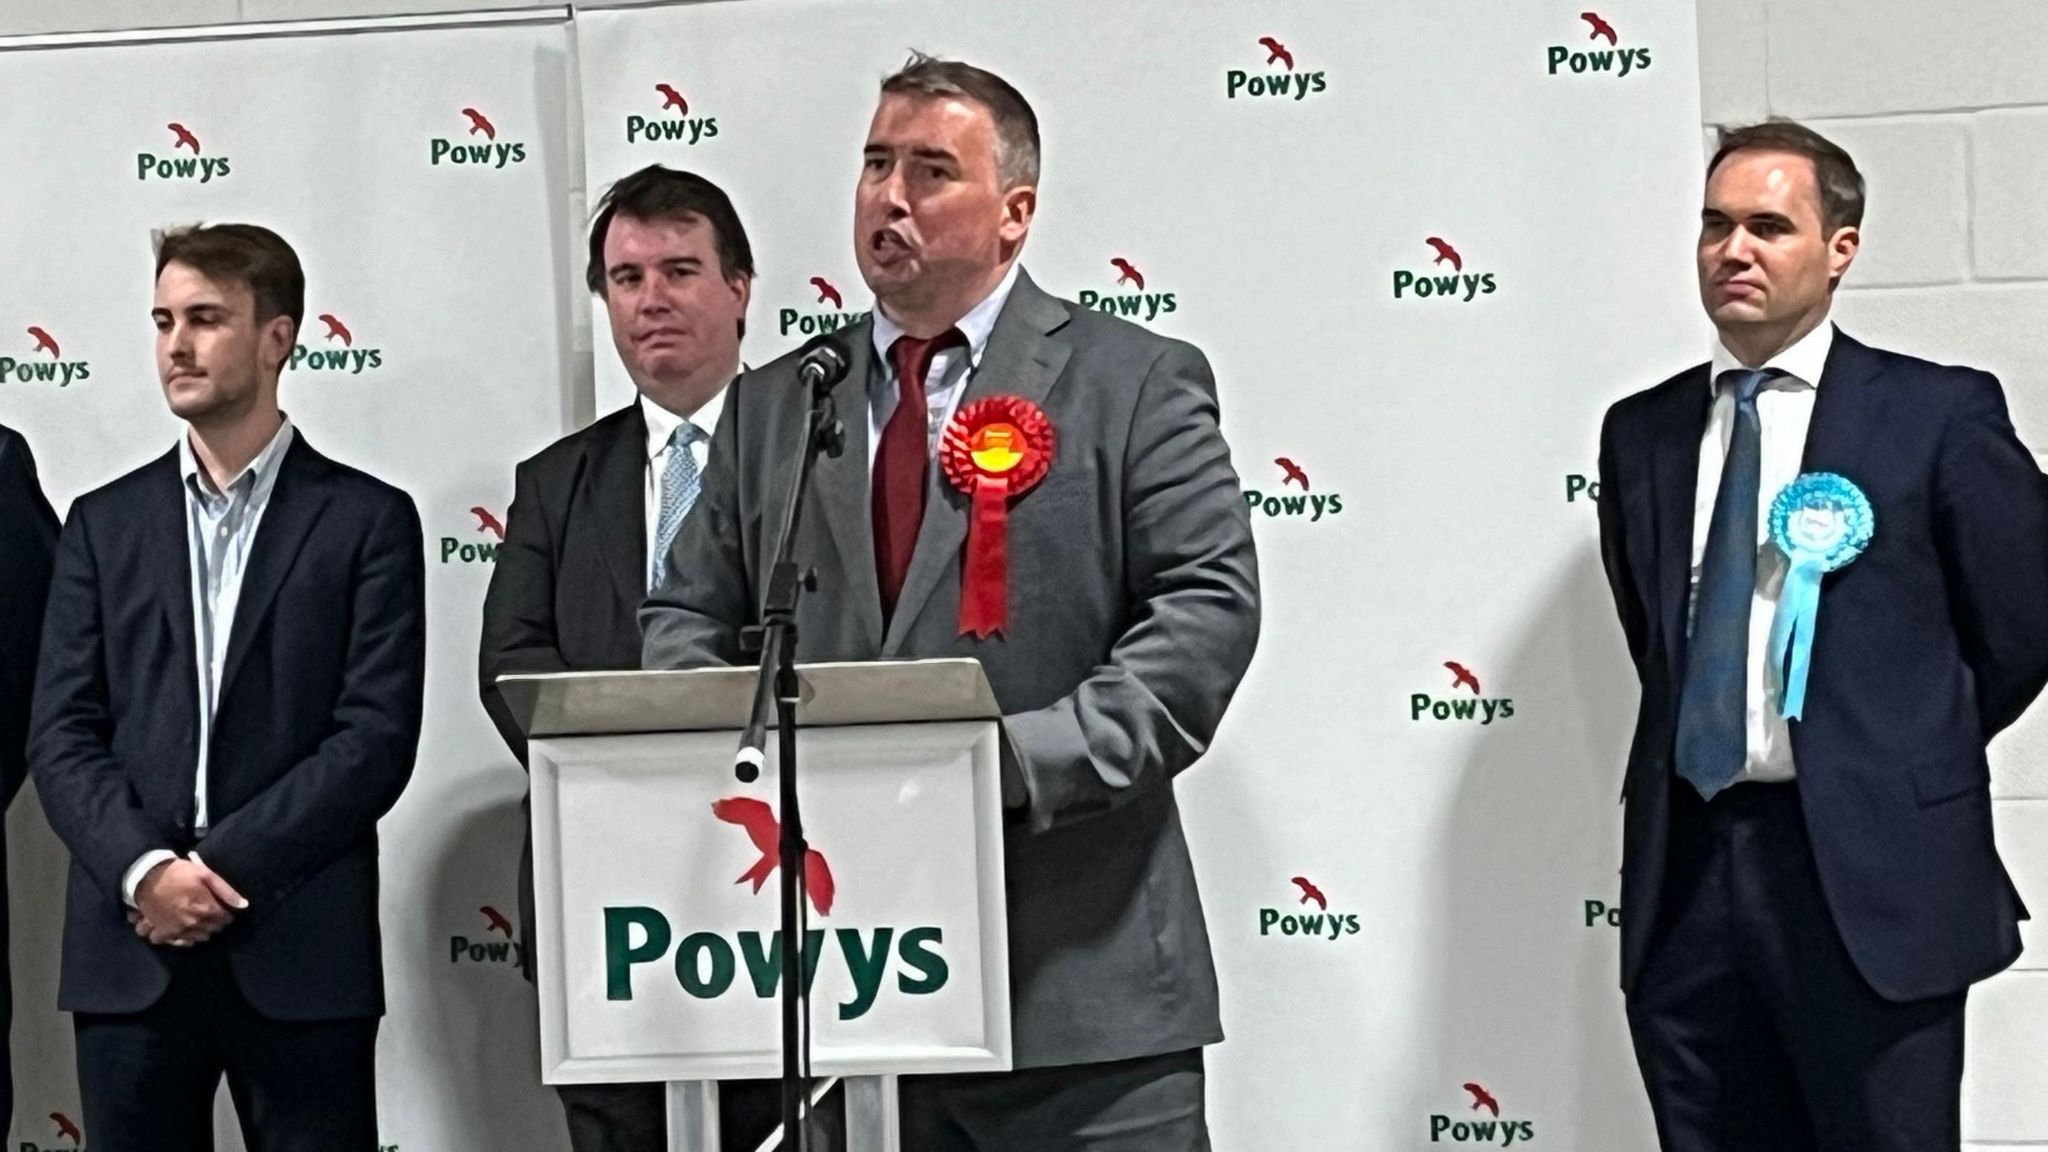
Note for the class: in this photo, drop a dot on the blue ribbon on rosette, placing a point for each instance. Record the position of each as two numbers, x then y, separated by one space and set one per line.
1820 521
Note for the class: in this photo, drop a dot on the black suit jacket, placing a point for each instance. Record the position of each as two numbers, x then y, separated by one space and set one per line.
28 541
28 544
572 570
570 577
1926 646
313 739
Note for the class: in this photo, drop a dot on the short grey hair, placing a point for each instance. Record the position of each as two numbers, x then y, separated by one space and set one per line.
1016 125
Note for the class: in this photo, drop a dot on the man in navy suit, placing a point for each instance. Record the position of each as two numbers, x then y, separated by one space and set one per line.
28 538
1809 900
227 700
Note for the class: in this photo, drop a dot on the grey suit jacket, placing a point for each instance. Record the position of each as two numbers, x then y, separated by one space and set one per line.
1134 609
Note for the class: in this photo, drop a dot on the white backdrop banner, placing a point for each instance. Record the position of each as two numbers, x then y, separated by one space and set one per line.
423 171
1423 247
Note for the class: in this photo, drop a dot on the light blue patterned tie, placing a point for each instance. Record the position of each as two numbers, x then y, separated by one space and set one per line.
680 483
1713 731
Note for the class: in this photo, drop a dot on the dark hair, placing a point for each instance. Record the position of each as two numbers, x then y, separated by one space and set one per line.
655 193
1016 125
244 254
1841 185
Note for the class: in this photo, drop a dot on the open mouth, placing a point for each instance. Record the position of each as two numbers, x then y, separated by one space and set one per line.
887 247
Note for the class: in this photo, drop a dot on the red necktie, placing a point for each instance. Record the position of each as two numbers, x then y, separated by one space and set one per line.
902 460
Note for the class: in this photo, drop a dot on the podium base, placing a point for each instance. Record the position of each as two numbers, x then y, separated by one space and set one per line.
873 1122
693 1116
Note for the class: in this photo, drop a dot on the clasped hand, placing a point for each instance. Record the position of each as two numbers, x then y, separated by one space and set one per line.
183 902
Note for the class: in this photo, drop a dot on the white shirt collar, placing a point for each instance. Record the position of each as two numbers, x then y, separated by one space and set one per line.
977 326
1805 360
262 466
662 423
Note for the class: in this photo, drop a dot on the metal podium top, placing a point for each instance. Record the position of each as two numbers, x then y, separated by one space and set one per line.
709 699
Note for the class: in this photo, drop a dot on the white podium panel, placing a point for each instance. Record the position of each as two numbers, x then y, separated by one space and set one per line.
657 918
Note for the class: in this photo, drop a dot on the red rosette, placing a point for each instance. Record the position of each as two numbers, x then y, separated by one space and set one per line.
995 450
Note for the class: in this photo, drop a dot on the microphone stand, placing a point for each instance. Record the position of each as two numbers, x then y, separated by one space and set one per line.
775 640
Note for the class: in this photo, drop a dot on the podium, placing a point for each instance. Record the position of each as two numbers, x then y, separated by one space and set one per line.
656 936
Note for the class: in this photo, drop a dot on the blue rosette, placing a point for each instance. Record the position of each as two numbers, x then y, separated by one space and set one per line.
1821 522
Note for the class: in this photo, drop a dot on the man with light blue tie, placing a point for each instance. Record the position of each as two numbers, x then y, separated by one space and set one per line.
228 698
1808 870
593 516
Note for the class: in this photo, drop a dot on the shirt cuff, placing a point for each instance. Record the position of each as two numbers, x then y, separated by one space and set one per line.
132 879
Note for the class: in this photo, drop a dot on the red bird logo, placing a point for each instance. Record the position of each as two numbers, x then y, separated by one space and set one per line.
670 98
1481 1098
66 1130
1126 272
336 330
1275 50
764 830
45 342
478 122
1600 27
1311 892
185 138
485 522
1461 675
1293 472
826 292
497 921
1444 252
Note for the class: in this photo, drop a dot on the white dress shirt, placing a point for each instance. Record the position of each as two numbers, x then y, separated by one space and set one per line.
661 427
946 381
220 532
1785 410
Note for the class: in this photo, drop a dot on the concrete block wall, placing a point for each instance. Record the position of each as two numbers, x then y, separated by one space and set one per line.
1947 113
1945 108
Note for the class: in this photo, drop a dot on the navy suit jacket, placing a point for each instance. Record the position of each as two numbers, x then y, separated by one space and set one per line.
313 738
1926 646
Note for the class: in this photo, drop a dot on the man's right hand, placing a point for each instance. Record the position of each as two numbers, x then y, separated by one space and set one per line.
180 905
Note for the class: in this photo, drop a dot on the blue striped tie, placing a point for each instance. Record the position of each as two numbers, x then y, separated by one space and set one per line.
1713 730
679 486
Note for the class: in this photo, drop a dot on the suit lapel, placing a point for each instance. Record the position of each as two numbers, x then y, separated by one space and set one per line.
614 492
1022 359
1847 404
839 486
167 549
295 506
1681 426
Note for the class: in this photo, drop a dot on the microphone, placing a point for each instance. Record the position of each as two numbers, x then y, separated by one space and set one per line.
752 753
754 738
750 757
823 365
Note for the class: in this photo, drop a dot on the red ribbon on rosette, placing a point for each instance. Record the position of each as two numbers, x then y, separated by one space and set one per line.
995 450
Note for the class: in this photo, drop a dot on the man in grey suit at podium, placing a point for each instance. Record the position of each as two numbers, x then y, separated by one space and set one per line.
1114 633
